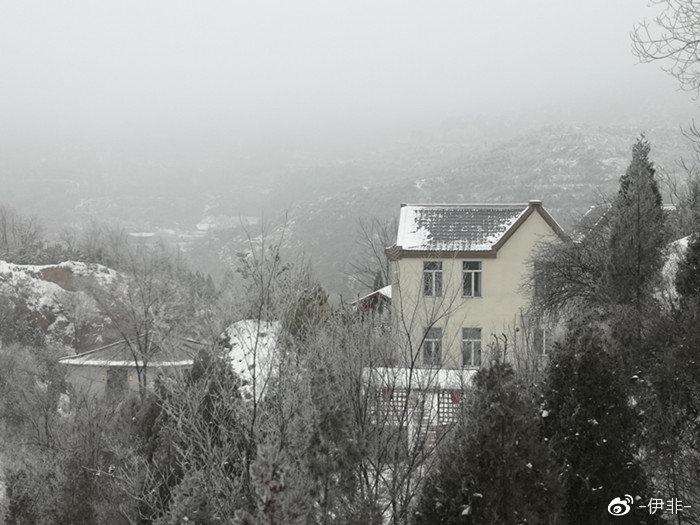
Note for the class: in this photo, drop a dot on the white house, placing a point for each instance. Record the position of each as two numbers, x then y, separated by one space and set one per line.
457 292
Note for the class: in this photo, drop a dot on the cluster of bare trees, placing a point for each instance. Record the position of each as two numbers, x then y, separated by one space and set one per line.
334 431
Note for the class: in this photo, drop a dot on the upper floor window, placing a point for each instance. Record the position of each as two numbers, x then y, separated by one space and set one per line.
432 278
471 347
471 278
432 347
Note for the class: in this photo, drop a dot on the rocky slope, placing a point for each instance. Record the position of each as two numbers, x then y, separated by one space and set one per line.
52 304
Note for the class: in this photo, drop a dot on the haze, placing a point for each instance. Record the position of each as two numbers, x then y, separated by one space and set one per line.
256 70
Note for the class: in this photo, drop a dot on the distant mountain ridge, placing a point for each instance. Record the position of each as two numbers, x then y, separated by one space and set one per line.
568 167
325 193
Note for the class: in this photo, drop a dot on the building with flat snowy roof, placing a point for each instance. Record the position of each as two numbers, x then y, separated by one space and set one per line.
113 370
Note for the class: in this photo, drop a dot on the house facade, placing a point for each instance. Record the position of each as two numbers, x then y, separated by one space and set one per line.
458 293
458 274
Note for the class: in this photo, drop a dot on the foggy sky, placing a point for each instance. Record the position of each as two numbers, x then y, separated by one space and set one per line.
261 67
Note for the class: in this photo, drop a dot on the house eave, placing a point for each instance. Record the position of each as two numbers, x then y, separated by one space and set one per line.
395 253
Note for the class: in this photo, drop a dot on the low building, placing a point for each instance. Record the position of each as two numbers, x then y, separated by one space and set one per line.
114 369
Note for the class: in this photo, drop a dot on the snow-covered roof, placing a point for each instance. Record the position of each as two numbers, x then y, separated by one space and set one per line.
251 347
118 354
384 292
253 353
455 227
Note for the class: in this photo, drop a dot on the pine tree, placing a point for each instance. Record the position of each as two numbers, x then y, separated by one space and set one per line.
495 469
637 237
591 426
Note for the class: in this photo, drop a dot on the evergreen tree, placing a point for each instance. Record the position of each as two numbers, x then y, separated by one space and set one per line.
309 309
637 236
591 426
198 444
688 275
495 469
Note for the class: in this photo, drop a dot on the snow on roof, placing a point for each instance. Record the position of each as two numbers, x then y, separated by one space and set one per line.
384 292
455 227
125 363
252 350
118 354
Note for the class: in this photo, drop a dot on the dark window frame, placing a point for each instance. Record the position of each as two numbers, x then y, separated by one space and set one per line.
432 278
472 347
432 347
472 282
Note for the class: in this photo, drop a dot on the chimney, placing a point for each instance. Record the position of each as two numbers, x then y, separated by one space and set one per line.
535 202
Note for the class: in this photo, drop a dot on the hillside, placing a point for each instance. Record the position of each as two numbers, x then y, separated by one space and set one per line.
52 304
198 199
569 168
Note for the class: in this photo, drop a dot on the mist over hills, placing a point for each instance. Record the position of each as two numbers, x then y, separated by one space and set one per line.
199 195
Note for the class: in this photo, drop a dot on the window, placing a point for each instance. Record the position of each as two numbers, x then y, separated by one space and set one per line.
432 347
471 347
471 278
432 278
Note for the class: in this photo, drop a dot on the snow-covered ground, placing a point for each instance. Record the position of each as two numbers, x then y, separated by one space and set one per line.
56 294
253 354
676 252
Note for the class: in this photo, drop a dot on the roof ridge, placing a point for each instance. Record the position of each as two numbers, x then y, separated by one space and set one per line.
469 204
187 342
93 350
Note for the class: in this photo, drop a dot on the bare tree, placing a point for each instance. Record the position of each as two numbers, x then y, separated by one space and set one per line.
21 238
149 306
567 275
341 426
370 267
95 242
673 37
